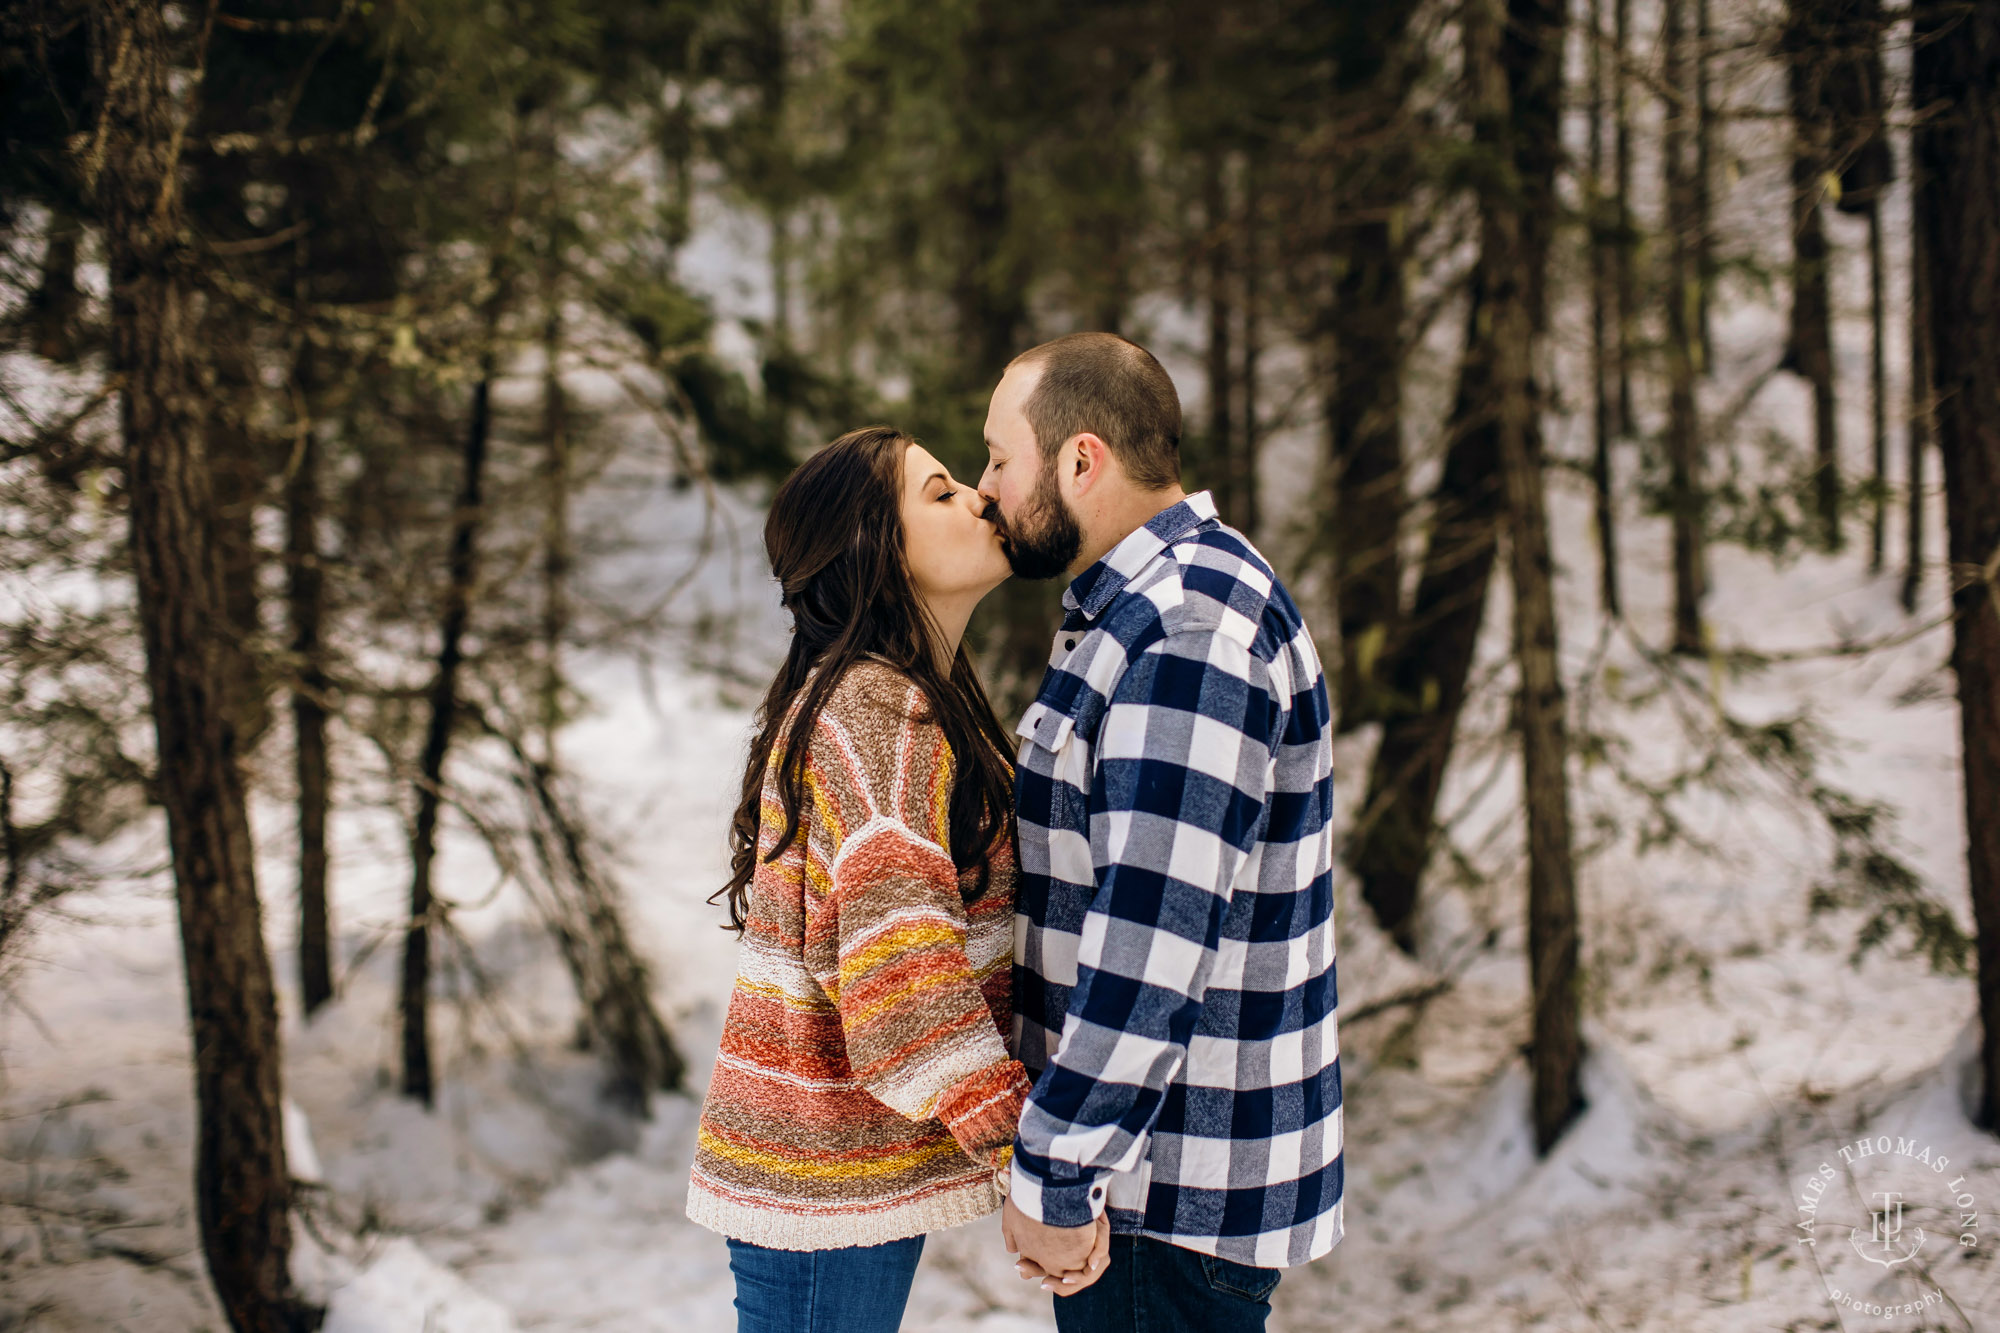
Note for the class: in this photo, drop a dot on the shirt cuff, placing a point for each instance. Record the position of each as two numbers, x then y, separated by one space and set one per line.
1056 1194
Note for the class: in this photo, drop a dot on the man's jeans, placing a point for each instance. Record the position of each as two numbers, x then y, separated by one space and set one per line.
1154 1287
860 1289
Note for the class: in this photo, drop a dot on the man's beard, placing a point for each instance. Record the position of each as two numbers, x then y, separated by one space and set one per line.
1043 542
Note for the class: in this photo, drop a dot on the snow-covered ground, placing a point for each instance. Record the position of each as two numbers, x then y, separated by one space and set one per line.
520 1204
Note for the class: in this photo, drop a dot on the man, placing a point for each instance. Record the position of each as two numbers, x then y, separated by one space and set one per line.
1174 950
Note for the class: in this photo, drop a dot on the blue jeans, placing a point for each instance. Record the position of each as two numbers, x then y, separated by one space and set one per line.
1154 1287
859 1289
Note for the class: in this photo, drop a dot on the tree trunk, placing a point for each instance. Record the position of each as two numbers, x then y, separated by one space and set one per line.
1250 436
241 1185
1809 348
1429 659
990 282
989 297
1850 33
1849 37
781 278
54 303
1016 622
989 294
558 553
238 471
1603 295
1812 346
1919 425
1366 421
1365 403
1684 486
779 355
1218 457
1426 677
306 608
558 546
463 569
1956 89
1878 389
1099 247
1703 204
1625 257
1517 78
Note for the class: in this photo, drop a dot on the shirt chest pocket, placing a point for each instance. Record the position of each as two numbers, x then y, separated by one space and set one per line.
1051 747
1049 728
1054 803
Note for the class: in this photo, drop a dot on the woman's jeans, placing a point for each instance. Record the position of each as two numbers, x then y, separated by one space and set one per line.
858 1289
1154 1287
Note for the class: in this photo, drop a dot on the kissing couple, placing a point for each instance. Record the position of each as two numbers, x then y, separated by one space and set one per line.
1082 974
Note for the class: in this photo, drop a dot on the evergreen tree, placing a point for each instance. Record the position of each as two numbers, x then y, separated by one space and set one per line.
1956 90
241 1185
1514 64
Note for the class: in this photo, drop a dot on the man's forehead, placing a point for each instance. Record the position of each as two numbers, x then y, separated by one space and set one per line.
1019 379
1005 412
1003 435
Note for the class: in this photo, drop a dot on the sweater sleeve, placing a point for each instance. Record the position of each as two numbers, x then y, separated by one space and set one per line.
887 938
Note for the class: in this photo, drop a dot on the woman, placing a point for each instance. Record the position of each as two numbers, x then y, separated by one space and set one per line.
864 1094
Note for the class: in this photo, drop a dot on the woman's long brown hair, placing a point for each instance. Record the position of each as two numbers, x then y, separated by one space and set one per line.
835 538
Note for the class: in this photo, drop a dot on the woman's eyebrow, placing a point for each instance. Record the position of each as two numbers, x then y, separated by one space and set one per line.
935 476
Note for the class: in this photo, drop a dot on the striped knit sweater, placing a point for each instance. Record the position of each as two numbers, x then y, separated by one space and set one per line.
864 1091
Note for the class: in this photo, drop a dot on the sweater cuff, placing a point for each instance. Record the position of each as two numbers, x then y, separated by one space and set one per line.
1056 1194
983 1109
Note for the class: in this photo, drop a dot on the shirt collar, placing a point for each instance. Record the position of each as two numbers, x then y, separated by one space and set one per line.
1091 591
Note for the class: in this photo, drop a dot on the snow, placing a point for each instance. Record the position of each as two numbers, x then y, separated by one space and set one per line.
521 1203
402 1288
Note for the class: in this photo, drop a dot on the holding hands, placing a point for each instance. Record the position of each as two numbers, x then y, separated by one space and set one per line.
1064 1259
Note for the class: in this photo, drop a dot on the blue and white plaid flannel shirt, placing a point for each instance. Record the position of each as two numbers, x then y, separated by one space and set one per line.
1174 988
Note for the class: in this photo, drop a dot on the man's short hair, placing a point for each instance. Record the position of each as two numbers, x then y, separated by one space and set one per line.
1101 384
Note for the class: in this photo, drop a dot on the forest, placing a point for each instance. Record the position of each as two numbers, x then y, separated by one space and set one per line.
390 393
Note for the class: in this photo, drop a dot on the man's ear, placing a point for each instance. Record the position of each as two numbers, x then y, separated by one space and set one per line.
1089 461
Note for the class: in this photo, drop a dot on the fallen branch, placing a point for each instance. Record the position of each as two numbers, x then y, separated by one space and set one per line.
1410 995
